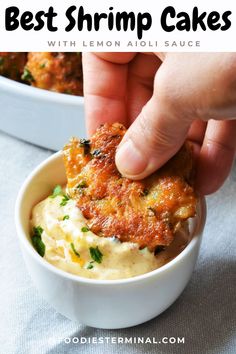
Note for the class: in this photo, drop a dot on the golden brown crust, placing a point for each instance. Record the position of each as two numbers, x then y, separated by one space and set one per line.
59 72
12 64
147 212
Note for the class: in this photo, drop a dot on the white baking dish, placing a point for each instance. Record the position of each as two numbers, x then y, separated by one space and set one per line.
38 116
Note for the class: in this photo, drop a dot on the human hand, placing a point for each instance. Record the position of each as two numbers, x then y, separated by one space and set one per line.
164 99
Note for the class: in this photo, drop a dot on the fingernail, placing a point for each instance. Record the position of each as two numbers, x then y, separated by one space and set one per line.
129 159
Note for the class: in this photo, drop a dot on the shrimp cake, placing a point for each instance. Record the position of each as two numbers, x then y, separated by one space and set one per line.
148 211
58 72
12 64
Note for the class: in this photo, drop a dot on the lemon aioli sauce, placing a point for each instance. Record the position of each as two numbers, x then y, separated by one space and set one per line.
69 245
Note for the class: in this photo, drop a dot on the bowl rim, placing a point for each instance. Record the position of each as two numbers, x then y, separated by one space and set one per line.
22 89
107 282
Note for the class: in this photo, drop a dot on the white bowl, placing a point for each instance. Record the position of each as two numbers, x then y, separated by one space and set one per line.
39 116
100 303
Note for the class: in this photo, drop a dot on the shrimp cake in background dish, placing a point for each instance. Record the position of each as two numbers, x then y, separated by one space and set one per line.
148 212
58 72
12 65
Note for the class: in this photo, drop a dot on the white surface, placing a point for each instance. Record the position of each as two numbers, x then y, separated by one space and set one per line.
204 313
90 301
38 116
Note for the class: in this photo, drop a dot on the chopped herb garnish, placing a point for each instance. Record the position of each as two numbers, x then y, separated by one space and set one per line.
37 231
82 184
86 145
152 210
64 200
96 152
42 66
68 92
84 229
27 76
37 240
1 61
74 250
56 191
144 193
66 217
83 142
90 265
96 254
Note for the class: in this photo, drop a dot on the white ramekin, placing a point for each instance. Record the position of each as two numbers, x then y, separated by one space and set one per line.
100 303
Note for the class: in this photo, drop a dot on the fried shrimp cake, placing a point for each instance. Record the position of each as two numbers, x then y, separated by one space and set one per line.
12 65
59 72
147 212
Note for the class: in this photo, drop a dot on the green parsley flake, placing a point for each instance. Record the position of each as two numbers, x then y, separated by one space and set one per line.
145 192
86 145
64 200
56 191
74 250
37 240
96 254
27 76
68 92
96 152
90 265
42 66
85 229
66 217
152 211
38 231
82 184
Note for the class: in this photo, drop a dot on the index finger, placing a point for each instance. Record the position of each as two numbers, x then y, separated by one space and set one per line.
105 85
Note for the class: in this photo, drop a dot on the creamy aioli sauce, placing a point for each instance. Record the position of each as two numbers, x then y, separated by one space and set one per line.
119 260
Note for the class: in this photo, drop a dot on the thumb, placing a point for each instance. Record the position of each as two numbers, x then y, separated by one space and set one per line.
154 137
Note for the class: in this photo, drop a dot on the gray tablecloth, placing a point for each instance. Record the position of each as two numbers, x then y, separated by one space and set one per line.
205 314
